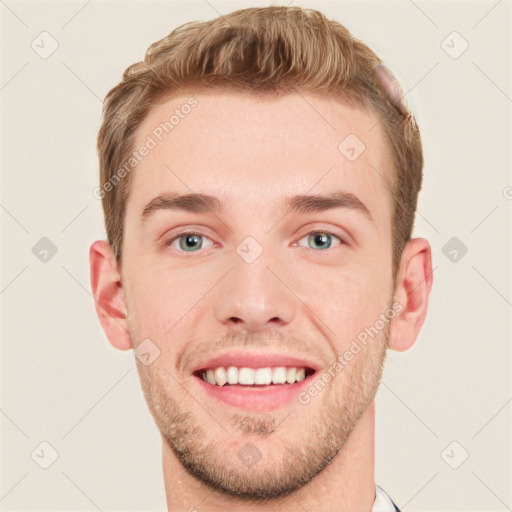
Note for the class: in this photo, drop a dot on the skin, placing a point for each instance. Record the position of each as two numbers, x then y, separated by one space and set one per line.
298 296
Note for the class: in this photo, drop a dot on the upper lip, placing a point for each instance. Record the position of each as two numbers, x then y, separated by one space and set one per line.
256 359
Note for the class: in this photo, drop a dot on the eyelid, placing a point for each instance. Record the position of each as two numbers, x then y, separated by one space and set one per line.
310 231
342 235
170 235
175 236
320 231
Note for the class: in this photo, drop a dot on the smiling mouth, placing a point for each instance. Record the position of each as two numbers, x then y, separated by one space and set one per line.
246 377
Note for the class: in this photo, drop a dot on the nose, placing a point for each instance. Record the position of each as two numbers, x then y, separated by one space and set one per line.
254 296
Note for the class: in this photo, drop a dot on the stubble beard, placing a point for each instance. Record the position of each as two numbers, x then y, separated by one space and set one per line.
286 464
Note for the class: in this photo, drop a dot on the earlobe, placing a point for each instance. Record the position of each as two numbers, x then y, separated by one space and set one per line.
412 291
108 294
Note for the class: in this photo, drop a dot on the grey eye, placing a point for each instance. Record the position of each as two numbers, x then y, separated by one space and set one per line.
320 239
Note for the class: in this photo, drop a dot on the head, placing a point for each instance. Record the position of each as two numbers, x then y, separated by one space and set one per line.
257 109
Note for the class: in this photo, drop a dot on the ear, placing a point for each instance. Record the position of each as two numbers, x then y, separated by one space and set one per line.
108 293
412 290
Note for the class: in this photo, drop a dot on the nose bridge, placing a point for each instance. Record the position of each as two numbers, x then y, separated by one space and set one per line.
252 295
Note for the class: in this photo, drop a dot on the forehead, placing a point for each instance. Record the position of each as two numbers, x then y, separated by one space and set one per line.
251 152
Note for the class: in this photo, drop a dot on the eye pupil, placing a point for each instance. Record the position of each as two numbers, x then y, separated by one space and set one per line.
193 242
189 239
322 238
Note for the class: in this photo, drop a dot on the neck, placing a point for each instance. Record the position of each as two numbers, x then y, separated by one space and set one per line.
346 484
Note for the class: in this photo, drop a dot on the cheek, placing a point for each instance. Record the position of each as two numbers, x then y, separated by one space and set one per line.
160 297
346 300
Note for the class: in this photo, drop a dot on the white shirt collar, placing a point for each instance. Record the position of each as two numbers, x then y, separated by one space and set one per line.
382 501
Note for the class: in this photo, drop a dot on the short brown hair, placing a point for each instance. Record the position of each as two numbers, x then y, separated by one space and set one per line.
266 51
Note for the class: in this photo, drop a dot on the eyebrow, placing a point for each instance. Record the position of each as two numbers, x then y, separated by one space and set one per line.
323 202
194 203
203 203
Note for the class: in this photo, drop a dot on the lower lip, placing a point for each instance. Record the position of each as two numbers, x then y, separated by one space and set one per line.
254 398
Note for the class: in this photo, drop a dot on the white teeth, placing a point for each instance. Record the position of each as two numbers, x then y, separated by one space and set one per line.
246 376
279 375
290 375
209 377
232 374
263 376
221 376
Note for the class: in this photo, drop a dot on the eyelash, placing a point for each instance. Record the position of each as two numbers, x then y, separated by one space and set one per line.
196 233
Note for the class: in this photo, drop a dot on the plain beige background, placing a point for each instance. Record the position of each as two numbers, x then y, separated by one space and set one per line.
62 383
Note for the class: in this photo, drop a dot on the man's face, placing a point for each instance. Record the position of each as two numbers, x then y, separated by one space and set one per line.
297 286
